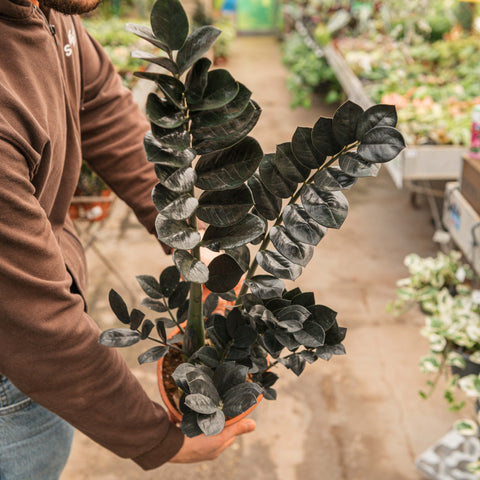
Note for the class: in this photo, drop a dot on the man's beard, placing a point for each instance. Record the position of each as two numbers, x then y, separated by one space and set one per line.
70 7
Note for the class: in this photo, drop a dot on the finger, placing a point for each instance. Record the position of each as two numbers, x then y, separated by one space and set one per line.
244 426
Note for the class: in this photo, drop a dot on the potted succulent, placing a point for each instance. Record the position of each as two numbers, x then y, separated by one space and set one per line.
210 171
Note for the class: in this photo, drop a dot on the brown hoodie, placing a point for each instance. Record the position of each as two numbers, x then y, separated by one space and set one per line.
60 100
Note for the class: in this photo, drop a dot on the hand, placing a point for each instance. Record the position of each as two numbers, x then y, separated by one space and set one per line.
201 448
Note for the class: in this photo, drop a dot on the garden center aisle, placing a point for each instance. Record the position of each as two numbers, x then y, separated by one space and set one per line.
358 417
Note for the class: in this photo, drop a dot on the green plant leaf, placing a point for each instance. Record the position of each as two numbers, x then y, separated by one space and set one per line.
211 139
309 356
150 286
229 168
207 355
268 205
192 269
200 403
327 208
118 306
197 44
172 88
229 375
293 250
204 384
163 62
189 424
169 280
176 233
301 226
161 330
381 144
119 337
292 317
169 23
221 89
304 150
179 295
224 274
345 121
241 255
177 139
376 116
286 339
178 180
213 118
240 398
153 354
162 113
225 238
196 81
266 286
154 305
295 363
273 179
210 304
147 328
333 178
146 33
156 153
288 166
174 205
307 299
276 264
323 138
225 207
352 164
212 424
335 334
271 344
136 318
311 335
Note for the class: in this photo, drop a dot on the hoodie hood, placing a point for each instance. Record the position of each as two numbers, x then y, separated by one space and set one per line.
15 9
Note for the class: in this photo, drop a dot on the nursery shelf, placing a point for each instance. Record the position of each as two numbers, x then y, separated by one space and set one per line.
463 224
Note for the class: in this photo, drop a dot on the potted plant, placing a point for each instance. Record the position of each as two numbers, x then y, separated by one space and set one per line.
211 171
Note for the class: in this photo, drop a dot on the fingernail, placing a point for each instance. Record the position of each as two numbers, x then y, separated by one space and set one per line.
250 425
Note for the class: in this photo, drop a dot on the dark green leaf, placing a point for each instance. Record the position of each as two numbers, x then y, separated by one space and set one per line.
152 355
162 333
172 88
293 250
221 89
293 312
176 233
179 295
309 356
169 323
226 207
273 179
301 226
304 150
244 336
210 304
291 294
196 81
276 264
150 286
295 363
173 205
353 165
326 352
267 204
147 328
381 144
136 318
157 154
376 116
163 62
190 341
192 269
119 337
271 344
212 139
212 424
270 394
189 424
180 375
207 355
311 335
182 312
177 139
306 299
197 43
286 339
228 375
240 398
146 33
327 208
178 180
169 23
229 168
169 280
162 113
288 166
224 274
345 121
323 138
275 304
213 118
323 315
335 335
229 296
200 403
266 286
119 307
224 238
154 305
241 255
332 178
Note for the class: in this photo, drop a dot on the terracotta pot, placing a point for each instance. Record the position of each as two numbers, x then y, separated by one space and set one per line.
176 416
73 211
96 211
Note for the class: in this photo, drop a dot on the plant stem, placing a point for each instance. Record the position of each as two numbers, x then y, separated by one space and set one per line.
179 326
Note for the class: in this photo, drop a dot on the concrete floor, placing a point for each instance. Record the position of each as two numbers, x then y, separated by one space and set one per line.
358 417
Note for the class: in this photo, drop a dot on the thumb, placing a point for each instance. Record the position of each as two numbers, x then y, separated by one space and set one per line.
246 425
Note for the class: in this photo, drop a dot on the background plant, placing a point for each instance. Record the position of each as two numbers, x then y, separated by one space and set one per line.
211 170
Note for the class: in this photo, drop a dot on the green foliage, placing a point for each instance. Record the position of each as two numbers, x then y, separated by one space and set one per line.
230 187
308 73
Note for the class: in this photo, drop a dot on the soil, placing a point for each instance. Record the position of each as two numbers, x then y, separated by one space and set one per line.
357 417
170 362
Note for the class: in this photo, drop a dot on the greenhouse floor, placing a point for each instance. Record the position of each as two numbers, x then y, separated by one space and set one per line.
358 417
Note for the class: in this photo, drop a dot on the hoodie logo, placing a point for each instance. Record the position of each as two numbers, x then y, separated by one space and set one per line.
68 48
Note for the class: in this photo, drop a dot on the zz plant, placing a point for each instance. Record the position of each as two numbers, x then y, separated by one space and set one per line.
210 170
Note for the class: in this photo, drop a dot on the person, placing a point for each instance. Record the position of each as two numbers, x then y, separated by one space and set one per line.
60 102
